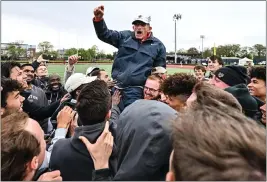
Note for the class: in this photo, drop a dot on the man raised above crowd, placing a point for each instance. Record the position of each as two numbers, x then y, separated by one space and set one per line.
138 52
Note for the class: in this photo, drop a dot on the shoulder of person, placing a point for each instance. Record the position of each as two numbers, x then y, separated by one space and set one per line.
61 145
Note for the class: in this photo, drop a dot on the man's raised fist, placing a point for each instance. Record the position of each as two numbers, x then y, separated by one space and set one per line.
99 12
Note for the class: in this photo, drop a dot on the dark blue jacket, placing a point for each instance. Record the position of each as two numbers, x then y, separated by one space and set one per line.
134 60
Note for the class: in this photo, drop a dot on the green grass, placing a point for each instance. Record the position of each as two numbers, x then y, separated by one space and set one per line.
81 68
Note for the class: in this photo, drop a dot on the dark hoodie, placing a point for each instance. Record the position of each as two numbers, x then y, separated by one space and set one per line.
144 142
250 105
72 158
53 96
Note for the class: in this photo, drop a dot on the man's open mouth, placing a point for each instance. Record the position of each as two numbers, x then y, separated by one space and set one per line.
139 32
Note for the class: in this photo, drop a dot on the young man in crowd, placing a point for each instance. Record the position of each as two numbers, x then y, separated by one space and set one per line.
233 79
214 63
217 144
200 72
41 77
138 52
12 70
70 156
257 85
75 83
152 88
101 75
23 148
143 141
37 94
55 90
177 88
11 100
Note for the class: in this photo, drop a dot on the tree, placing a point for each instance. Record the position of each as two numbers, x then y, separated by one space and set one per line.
53 54
92 52
192 50
15 50
101 55
109 56
45 47
181 51
207 53
259 49
224 50
235 49
84 54
12 51
70 52
244 52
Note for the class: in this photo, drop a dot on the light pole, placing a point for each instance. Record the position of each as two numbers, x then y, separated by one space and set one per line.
202 38
176 17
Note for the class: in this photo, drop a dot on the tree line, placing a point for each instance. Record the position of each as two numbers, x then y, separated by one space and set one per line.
15 50
229 50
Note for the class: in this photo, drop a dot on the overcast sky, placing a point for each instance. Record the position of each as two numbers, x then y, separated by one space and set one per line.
69 24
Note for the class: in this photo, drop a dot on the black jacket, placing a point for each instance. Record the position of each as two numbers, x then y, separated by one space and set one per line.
38 113
143 141
250 104
71 157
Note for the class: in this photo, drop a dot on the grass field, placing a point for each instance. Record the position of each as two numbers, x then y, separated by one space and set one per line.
81 68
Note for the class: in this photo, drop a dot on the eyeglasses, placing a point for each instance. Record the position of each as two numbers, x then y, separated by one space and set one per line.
150 89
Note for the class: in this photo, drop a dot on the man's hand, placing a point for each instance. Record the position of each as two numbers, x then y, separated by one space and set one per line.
99 12
51 176
64 117
65 97
116 98
111 83
74 123
73 59
101 150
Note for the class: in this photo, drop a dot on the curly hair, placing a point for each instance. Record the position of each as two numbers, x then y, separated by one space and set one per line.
9 86
178 84
258 72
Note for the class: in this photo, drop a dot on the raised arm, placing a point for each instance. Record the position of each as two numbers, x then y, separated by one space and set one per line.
111 37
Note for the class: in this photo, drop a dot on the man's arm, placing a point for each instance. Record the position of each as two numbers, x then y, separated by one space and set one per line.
39 113
69 70
161 58
111 37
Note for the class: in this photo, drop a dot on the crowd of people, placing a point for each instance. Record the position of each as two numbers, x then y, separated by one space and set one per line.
142 124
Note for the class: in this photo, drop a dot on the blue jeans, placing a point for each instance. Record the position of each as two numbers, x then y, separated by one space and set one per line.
129 95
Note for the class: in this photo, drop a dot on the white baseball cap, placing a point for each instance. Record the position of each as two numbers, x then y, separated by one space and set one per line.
76 80
143 19
159 69
90 70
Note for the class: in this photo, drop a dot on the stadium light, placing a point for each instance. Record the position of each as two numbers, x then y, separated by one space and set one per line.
202 38
176 17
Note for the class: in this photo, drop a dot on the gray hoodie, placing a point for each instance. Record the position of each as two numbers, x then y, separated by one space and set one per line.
37 96
143 141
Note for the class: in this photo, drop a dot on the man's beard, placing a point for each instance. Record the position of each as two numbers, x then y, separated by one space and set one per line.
154 97
29 82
